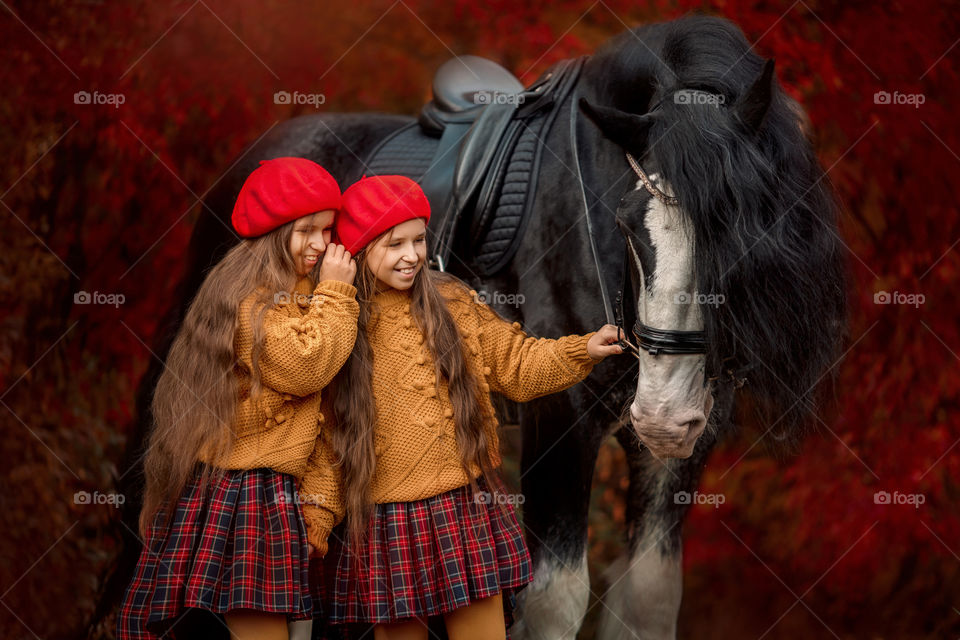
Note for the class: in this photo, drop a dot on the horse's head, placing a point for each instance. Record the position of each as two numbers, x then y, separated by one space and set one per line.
731 233
674 396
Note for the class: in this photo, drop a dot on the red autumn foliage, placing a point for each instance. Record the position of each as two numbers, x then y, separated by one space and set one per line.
101 198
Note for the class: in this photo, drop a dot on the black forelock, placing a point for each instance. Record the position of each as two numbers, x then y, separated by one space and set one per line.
763 214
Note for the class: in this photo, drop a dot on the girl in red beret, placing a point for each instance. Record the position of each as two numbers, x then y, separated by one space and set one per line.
411 459
235 417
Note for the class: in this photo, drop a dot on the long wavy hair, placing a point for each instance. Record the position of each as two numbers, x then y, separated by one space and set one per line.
352 391
196 397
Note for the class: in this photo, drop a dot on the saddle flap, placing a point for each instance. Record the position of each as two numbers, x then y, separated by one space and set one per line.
478 149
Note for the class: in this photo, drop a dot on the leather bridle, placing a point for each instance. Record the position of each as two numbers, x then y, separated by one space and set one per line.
650 339
663 341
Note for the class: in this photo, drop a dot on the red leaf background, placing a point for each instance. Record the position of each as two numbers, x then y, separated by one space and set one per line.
101 198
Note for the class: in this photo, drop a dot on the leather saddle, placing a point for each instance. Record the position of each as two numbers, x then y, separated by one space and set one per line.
463 145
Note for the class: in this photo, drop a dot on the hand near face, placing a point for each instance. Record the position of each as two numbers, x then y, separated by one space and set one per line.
337 264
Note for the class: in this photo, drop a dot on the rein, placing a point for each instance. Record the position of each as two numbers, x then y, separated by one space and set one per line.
607 307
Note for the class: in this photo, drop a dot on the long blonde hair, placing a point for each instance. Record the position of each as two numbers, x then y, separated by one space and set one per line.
195 401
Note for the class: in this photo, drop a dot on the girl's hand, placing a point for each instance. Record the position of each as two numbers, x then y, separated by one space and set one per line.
604 342
337 265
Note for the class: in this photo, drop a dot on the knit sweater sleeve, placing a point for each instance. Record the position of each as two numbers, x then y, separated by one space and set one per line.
321 490
302 353
522 367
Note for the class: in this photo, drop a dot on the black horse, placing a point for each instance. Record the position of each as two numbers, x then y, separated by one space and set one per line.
693 189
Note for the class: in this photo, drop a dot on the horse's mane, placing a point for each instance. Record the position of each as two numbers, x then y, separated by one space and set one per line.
760 208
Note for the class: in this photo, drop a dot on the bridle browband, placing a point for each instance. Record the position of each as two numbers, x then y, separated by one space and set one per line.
651 188
650 339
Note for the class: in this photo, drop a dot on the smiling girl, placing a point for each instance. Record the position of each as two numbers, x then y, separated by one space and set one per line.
235 419
412 455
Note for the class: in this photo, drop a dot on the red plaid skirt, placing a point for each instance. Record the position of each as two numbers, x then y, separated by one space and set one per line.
242 544
425 558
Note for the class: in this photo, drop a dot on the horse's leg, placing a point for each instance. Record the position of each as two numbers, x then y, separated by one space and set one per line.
646 580
645 584
557 472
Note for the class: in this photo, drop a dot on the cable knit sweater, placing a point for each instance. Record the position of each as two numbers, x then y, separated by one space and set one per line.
306 341
415 441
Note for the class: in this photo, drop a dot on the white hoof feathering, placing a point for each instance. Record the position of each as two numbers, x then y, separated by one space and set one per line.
553 605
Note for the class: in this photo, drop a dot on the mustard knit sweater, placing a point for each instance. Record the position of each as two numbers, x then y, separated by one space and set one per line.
415 441
306 341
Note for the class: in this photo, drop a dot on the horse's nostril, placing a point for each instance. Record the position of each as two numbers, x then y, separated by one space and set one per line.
692 427
692 423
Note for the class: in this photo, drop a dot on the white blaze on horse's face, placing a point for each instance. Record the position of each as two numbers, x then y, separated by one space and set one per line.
671 406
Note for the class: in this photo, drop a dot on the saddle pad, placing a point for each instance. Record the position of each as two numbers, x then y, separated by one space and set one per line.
407 152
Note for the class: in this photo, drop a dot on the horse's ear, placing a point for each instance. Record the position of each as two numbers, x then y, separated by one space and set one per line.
628 130
752 106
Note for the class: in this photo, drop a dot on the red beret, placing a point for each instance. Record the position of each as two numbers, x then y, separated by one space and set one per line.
374 205
281 190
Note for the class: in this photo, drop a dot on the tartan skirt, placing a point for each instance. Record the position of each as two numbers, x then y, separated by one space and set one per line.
241 544
425 558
